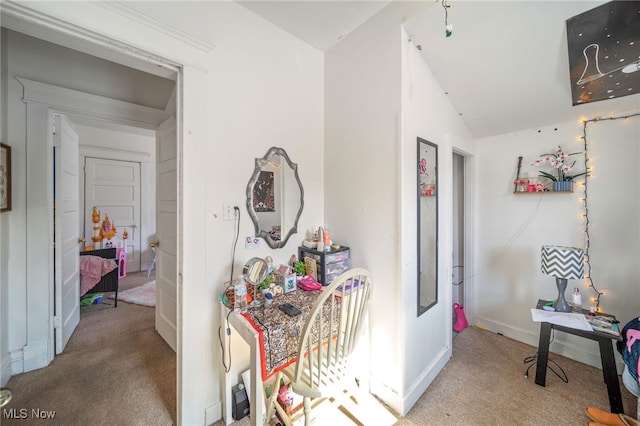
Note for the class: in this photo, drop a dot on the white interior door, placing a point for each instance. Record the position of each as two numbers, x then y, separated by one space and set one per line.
166 231
113 187
66 234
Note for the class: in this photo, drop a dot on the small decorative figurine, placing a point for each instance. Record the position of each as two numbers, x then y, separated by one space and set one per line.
539 187
95 218
107 230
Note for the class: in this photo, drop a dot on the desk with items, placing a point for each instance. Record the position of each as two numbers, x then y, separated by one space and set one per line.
605 342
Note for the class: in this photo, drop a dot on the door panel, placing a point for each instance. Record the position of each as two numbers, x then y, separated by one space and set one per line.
66 234
166 231
113 187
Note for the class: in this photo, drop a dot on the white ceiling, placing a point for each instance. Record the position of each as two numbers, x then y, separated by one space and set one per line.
505 68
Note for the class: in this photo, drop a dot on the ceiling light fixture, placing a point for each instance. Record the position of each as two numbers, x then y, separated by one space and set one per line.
448 28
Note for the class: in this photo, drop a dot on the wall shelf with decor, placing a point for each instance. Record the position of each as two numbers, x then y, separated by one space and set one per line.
542 192
523 186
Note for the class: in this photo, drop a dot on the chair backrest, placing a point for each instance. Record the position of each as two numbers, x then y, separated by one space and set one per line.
331 331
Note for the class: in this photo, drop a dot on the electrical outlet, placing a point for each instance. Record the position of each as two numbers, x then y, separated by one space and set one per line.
251 242
228 212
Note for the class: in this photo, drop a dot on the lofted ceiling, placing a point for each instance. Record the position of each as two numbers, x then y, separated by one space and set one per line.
505 68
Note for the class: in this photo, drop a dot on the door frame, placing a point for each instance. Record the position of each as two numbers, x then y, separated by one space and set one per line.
146 208
468 183
41 105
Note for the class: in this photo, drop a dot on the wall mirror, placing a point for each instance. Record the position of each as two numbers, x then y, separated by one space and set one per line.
427 225
275 197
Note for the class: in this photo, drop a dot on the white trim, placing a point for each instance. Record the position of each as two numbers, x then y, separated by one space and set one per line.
36 355
92 106
213 413
425 379
16 361
158 25
21 18
6 366
114 154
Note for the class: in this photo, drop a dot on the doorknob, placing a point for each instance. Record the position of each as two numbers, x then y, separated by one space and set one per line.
154 245
81 240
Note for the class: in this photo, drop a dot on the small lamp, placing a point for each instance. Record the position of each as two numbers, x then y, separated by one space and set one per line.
563 263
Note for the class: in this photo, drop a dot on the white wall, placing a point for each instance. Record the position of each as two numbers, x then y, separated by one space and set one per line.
266 89
259 88
512 228
426 113
380 97
362 78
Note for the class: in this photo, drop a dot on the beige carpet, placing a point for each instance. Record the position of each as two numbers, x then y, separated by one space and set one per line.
484 384
115 370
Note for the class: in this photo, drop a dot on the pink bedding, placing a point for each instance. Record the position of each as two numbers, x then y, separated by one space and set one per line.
92 268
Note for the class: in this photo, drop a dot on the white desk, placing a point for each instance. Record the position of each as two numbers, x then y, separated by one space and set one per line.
283 332
240 325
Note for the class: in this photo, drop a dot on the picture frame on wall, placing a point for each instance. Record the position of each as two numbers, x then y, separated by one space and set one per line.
5 177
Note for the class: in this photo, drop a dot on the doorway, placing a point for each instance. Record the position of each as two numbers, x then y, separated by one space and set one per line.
40 303
458 221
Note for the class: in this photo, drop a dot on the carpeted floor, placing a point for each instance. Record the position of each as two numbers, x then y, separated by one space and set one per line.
484 384
115 370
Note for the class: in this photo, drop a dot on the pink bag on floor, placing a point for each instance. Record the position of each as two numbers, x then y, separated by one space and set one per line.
461 321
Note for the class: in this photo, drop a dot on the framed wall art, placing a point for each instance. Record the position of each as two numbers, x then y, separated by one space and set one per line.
604 53
5 178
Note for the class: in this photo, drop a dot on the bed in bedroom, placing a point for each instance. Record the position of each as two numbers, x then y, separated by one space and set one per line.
99 272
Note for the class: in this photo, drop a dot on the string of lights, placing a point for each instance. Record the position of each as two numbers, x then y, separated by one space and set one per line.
588 169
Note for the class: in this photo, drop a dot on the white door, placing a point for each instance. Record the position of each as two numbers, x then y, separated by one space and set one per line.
166 231
66 234
113 187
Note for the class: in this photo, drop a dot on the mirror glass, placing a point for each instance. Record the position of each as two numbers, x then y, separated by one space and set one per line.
255 270
427 225
275 197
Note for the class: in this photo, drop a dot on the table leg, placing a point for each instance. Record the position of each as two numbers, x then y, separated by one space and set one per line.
257 409
610 374
543 353
226 389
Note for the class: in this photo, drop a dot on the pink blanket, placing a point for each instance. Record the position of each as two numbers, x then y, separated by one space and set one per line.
92 268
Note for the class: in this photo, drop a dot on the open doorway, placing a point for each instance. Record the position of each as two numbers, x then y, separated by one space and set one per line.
462 242
458 290
27 99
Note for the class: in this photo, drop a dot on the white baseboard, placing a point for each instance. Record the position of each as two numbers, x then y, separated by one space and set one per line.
565 349
213 413
16 360
425 379
401 404
35 355
6 370
386 394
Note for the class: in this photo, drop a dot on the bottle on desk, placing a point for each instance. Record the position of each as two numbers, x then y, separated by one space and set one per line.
577 300
240 293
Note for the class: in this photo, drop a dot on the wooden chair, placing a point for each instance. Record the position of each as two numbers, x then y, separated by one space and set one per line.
329 337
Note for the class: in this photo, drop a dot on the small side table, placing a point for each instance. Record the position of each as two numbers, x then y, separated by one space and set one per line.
605 341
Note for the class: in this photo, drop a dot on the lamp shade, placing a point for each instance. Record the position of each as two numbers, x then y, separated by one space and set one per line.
563 262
